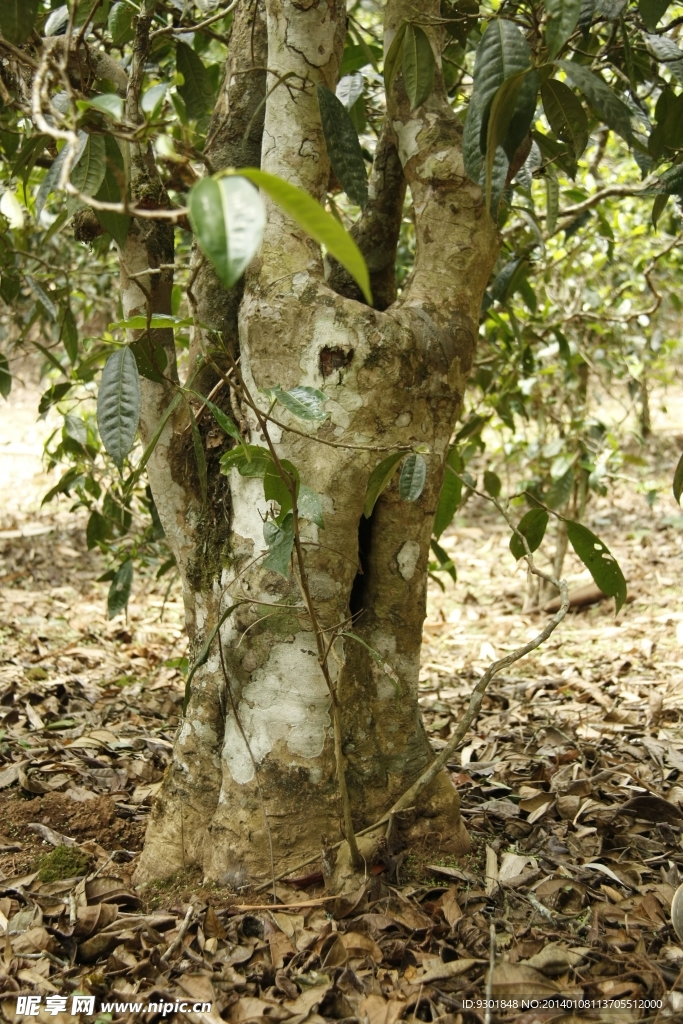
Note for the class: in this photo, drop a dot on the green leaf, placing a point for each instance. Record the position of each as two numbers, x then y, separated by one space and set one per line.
532 526
678 475
498 122
17 18
492 483
200 457
150 358
418 66
119 590
158 322
379 479
49 182
310 506
280 539
343 146
450 497
5 376
223 421
96 531
412 478
117 224
445 561
602 99
560 491
119 402
350 89
316 222
108 103
565 114
275 488
88 174
599 561
502 53
120 24
356 57
552 200
248 459
563 16
68 333
228 217
302 400
666 51
651 11
196 90
670 183
44 300
392 61
52 396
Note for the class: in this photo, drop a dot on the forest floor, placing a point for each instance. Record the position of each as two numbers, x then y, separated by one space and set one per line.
569 782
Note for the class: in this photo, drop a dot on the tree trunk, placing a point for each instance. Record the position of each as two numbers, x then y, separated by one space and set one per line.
253 779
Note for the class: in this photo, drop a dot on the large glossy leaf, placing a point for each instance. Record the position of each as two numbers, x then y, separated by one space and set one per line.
316 222
560 491
196 89
565 114
88 174
51 179
502 128
343 146
502 53
275 487
302 400
117 224
392 61
418 66
310 506
120 23
451 494
412 478
651 11
599 561
17 18
379 479
444 560
678 475
119 590
280 539
119 401
670 183
248 459
666 51
228 217
602 99
350 89
563 16
532 526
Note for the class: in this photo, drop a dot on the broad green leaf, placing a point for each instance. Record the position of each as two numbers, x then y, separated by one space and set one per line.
502 53
119 590
379 479
599 561
196 90
492 483
200 457
666 51
51 179
392 61
56 21
158 321
54 394
532 526
249 460
445 561
563 16
275 488
497 122
44 300
412 478
343 147
5 376
565 114
75 428
610 10
316 222
88 174
302 400
119 402
280 539
108 103
117 224
678 475
670 183
418 66
450 497
350 89
228 217
560 491
356 57
150 358
17 18
602 99
552 200
120 23
310 506
97 530
153 97
223 421
651 11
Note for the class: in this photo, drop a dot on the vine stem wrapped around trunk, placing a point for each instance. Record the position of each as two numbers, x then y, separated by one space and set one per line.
394 377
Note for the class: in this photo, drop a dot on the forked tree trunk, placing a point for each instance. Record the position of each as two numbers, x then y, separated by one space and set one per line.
253 762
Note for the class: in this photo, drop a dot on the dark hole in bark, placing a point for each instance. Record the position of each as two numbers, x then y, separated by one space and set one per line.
332 359
358 589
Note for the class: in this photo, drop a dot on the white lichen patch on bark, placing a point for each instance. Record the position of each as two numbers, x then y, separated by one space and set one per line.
286 699
407 559
249 509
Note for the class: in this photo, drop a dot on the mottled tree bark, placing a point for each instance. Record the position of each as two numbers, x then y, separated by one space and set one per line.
259 711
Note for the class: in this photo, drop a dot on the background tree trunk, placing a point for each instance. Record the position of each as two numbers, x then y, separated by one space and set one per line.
253 776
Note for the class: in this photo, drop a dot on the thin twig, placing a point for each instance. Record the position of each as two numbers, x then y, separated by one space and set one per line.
182 931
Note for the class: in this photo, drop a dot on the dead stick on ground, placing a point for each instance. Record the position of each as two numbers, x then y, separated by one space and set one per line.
182 932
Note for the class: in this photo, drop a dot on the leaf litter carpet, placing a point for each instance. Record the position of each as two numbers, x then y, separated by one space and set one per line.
571 784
